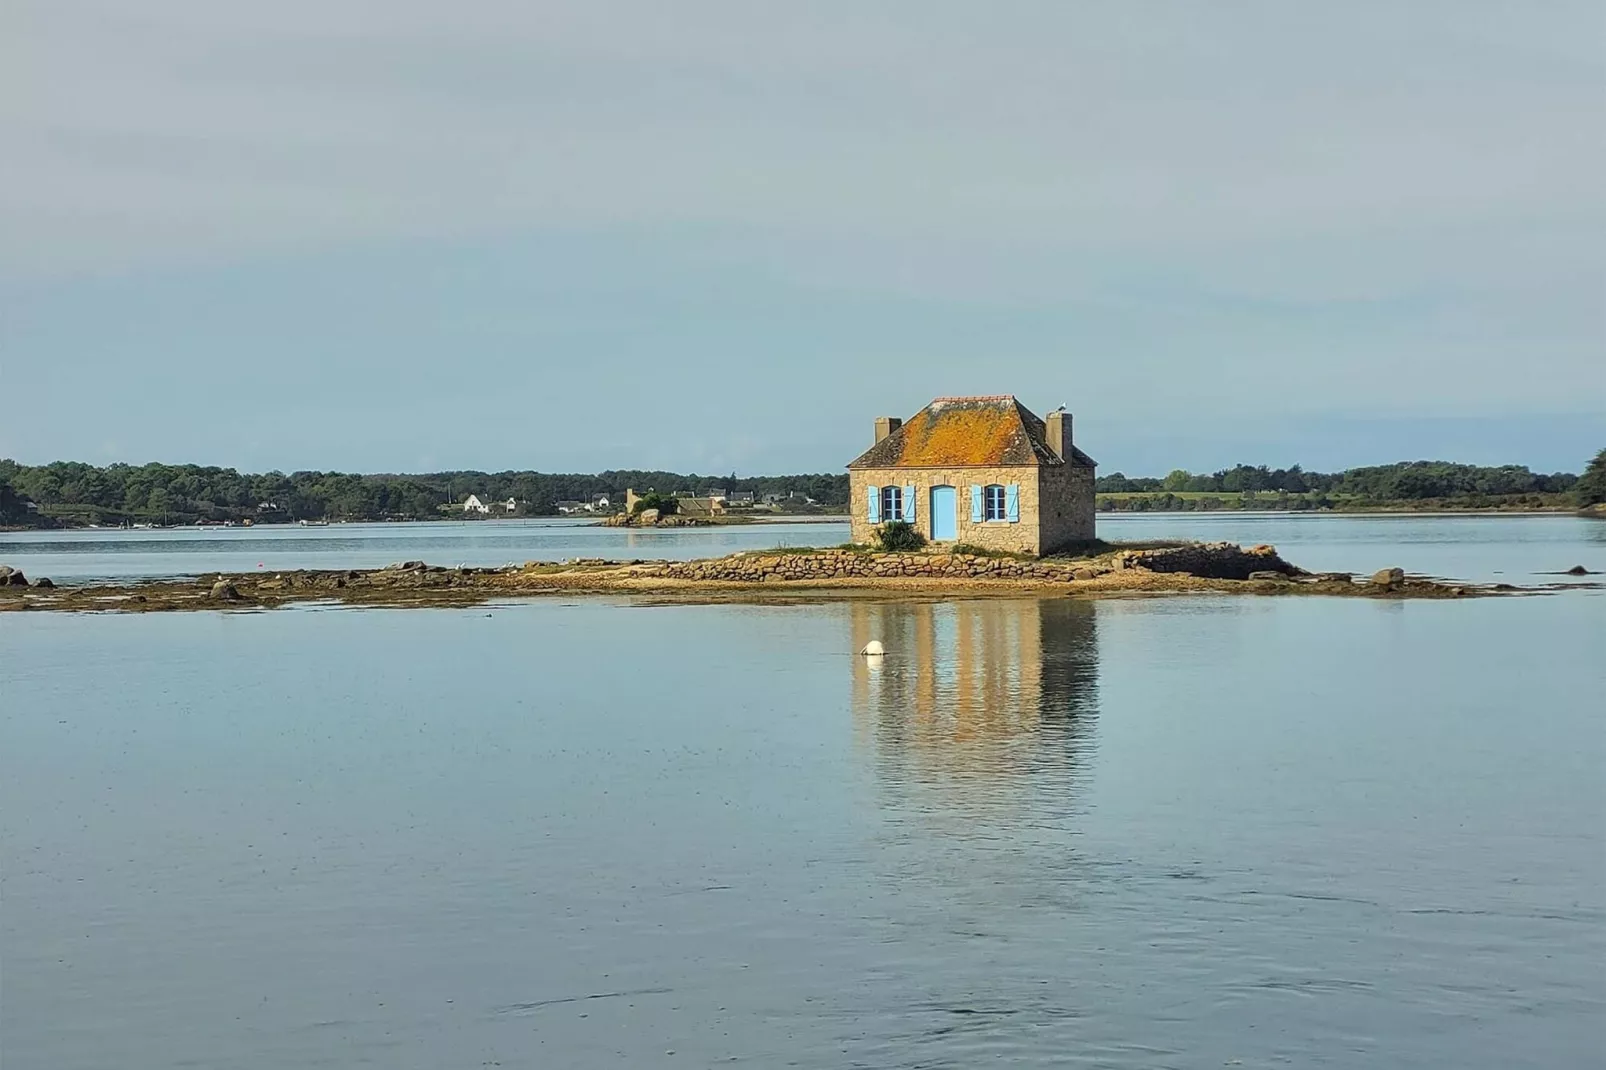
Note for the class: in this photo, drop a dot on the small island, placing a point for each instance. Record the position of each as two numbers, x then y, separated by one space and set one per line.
1101 571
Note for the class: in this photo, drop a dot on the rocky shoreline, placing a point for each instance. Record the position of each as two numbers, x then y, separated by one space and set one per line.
761 575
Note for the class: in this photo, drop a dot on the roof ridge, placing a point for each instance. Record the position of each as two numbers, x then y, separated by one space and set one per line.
977 397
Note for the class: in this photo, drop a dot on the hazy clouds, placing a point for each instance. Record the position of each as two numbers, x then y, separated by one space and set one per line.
1322 193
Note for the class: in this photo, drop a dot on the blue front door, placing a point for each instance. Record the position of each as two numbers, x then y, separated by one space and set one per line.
944 514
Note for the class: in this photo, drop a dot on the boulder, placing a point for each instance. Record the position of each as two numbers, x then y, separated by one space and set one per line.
223 591
1274 576
1084 574
12 577
43 581
1389 578
1578 570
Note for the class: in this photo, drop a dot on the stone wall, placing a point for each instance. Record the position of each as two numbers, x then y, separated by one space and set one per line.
840 564
1219 560
1067 504
1019 538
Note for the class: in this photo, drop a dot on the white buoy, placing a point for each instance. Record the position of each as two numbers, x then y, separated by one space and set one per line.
873 649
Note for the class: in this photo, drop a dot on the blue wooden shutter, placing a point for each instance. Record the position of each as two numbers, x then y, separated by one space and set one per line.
1012 503
975 504
909 502
874 495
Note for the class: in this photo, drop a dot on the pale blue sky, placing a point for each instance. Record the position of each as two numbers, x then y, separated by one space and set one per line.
714 236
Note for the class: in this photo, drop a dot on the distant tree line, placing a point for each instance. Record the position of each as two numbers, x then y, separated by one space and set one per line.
13 506
73 492
1405 481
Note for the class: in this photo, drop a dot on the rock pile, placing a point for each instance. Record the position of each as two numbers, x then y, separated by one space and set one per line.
1210 560
650 518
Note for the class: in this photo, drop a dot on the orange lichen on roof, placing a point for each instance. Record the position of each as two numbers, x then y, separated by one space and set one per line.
959 434
971 432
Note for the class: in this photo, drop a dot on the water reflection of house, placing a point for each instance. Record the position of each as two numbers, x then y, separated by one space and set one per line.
974 696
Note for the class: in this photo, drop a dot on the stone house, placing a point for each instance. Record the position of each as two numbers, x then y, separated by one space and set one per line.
985 471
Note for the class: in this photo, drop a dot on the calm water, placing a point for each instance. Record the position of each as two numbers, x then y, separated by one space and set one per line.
1158 833
1463 547
117 554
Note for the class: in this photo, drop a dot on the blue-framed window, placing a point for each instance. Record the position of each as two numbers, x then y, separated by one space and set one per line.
992 503
891 503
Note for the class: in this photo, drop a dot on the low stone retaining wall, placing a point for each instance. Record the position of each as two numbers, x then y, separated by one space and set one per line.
1222 560
840 564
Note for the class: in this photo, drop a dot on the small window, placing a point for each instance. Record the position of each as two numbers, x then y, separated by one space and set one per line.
891 503
992 502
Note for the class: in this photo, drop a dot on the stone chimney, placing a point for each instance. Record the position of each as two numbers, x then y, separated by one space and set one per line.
885 425
1058 433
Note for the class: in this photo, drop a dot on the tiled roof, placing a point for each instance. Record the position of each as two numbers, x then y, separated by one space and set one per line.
994 430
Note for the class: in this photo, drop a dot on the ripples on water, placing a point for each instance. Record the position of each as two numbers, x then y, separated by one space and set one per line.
1173 833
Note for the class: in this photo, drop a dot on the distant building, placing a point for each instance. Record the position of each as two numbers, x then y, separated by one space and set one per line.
700 506
570 508
686 503
979 470
741 497
483 506
795 496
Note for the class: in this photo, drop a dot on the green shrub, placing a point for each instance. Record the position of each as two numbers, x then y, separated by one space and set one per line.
970 549
899 536
1591 486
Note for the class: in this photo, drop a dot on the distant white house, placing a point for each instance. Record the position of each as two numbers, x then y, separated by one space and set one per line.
791 496
570 508
475 504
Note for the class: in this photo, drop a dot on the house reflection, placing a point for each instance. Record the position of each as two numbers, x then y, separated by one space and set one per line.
975 698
